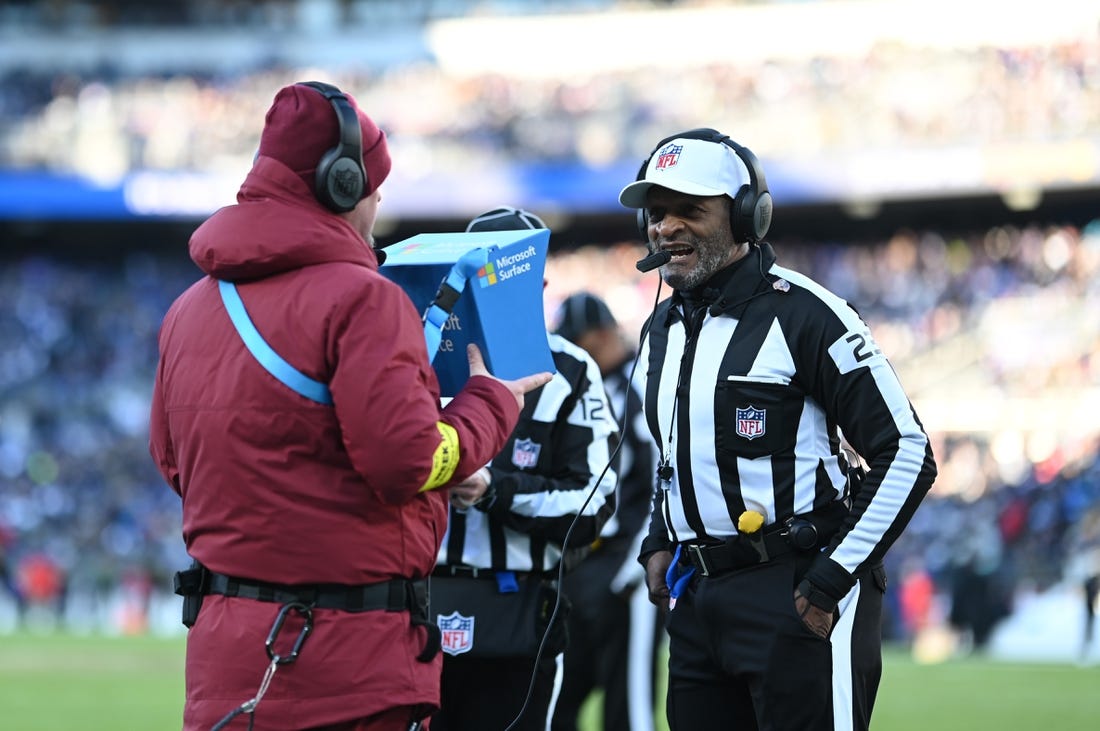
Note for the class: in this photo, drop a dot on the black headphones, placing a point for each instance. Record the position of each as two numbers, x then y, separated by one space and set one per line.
750 209
341 177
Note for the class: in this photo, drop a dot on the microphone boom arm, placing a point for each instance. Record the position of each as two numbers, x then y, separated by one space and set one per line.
653 261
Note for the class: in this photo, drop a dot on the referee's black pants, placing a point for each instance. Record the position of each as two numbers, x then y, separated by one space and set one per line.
613 643
741 658
488 693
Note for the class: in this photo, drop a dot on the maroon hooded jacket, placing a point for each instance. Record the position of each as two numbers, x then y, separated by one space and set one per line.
280 489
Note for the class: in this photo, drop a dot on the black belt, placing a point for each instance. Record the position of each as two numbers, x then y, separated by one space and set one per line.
464 572
737 553
802 533
474 572
395 595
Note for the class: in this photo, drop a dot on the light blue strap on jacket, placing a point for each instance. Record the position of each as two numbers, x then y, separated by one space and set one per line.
269 359
439 311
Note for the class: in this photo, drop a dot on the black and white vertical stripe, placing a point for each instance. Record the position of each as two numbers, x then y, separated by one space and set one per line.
748 401
637 457
566 429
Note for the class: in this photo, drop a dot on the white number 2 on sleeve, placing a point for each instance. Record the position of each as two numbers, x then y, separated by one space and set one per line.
853 350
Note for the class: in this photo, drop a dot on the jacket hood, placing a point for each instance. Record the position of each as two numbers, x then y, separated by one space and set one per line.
276 225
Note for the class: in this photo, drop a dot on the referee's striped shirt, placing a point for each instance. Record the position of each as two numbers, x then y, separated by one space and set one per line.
554 467
745 397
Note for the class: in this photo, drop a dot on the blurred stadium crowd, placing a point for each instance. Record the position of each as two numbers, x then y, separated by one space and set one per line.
77 354
106 121
996 332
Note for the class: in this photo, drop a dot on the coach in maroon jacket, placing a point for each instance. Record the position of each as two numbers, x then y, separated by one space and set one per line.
287 498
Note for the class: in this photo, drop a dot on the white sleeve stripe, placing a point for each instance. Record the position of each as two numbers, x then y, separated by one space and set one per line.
898 482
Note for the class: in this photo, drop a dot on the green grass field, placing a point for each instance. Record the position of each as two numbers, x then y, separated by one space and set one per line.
53 682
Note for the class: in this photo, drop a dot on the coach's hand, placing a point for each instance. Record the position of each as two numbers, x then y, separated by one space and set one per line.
518 387
467 493
655 569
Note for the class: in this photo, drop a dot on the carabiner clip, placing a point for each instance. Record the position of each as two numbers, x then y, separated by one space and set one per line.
303 609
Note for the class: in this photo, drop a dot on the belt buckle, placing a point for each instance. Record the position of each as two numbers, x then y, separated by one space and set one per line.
459 571
696 553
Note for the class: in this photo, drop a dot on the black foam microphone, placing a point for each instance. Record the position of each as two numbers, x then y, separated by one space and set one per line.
653 261
378 252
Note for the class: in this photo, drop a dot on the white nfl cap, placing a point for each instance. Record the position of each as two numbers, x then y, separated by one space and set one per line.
695 167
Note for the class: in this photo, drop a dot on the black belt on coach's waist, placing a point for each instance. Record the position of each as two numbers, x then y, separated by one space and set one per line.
395 595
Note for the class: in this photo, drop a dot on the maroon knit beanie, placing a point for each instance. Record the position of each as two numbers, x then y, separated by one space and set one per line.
301 126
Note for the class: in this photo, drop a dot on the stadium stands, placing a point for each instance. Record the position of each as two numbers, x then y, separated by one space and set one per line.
994 329
78 352
879 119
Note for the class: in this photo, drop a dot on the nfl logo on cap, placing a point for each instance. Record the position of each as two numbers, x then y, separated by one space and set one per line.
669 155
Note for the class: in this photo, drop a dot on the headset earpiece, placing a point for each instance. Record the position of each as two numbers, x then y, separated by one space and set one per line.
341 177
750 209
643 217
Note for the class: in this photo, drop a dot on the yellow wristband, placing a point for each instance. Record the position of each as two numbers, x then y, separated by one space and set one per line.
445 459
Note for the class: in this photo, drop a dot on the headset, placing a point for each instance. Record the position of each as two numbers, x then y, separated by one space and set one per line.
341 177
750 209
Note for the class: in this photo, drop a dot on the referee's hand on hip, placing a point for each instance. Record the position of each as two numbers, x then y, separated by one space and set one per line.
655 569
817 620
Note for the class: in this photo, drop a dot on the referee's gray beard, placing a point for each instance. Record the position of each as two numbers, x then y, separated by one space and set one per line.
712 253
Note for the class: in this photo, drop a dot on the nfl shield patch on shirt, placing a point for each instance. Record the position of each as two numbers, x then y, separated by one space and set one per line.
525 453
750 422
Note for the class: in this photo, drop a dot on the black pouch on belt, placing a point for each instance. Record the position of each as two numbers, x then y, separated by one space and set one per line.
827 521
417 595
192 584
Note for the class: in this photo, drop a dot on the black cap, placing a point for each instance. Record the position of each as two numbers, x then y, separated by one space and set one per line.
505 218
582 312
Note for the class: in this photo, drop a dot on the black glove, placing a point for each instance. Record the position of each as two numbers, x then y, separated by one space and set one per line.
816 596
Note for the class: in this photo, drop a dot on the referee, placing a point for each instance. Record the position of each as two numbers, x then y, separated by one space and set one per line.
494 587
762 541
614 631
